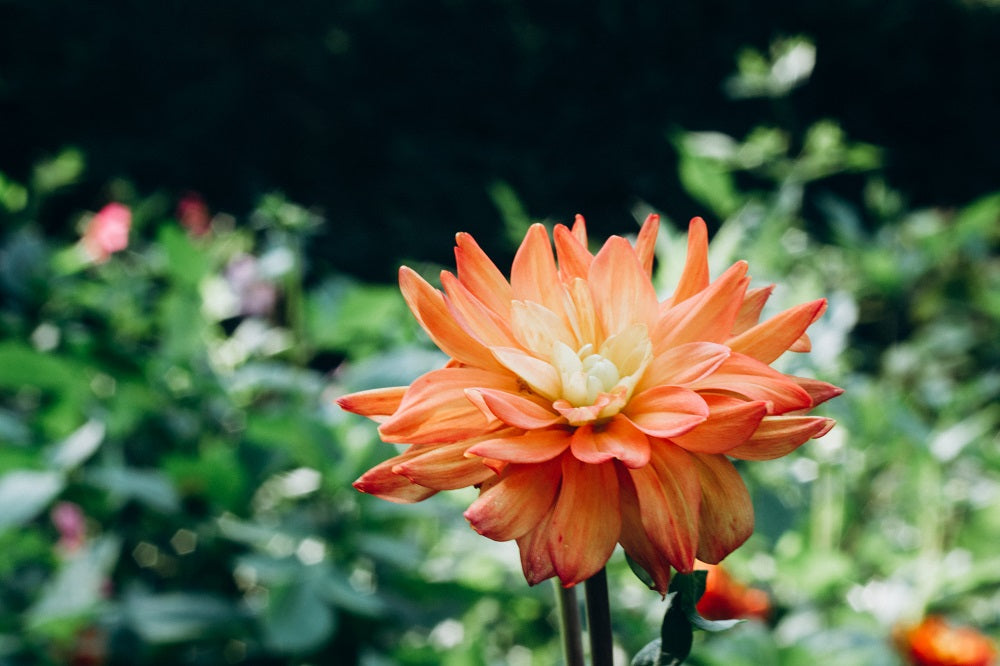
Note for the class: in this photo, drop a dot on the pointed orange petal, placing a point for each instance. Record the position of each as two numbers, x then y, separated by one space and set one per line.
622 292
376 404
634 538
536 563
731 422
515 410
726 515
534 446
683 365
666 411
818 390
705 317
481 276
616 439
574 257
538 374
580 229
669 493
428 306
695 276
436 409
802 345
382 482
645 243
533 273
444 468
770 339
585 522
488 327
753 305
749 377
780 435
515 505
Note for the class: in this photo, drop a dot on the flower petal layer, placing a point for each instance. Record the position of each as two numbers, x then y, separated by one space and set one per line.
666 411
780 435
376 404
616 439
444 468
770 339
534 446
382 482
515 505
726 514
731 422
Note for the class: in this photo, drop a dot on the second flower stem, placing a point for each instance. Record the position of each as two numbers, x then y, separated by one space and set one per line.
569 624
599 619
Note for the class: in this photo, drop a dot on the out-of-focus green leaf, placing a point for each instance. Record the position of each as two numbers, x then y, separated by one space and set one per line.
297 617
24 494
710 182
62 170
150 487
176 616
354 318
185 263
79 446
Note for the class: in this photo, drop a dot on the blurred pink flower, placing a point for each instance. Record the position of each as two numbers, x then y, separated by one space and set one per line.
192 211
257 296
70 522
107 231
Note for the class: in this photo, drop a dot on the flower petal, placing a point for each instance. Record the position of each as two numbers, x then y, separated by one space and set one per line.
705 317
538 374
534 446
376 404
533 273
382 482
428 306
488 327
726 514
574 257
444 468
645 243
616 439
515 410
753 305
684 364
634 539
731 422
749 377
622 292
536 328
818 390
666 411
770 339
435 409
481 276
517 503
586 520
669 493
536 563
695 276
780 435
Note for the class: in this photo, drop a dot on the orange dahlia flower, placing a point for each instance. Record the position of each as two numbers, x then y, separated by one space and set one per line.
589 413
726 598
934 642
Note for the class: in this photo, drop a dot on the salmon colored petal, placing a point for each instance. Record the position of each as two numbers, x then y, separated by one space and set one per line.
376 404
616 439
753 305
749 377
585 414
770 339
684 364
645 243
634 539
538 374
444 468
802 345
705 317
428 306
382 482
537 328
574 257
488 327
481 276
731 422
669 493
818 390
536 563
726 515
622 292
533 273
695 276
534 446
580 229
780 435
585 522
435 408
666 411
515 410
515 505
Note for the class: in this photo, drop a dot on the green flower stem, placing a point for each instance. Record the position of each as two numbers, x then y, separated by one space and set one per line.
599 619
569 624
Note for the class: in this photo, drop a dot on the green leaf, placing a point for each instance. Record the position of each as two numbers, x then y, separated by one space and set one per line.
297 618
177 616
149 487
24 494
79 446
78 587
709 182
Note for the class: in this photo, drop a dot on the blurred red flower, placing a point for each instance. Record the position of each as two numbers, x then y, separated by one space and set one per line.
107 232
726 598
934 642
192 211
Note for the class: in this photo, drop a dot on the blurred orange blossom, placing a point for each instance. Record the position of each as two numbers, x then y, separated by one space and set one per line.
934 642
589 413
726 598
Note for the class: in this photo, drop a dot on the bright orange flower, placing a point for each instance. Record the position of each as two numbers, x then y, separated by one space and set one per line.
934 642
588 412
726 598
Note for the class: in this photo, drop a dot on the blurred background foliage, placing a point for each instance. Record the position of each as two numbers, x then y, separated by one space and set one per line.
174 477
